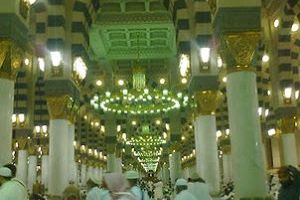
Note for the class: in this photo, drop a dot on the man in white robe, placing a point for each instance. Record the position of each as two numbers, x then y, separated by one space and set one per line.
182 193
11 189
133 178
199 188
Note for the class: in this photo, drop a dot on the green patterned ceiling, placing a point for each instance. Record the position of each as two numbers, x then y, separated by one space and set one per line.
125 33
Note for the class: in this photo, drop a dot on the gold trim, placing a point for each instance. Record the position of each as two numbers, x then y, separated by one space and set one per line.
10 59
62 107
23 143
207 102
241 46
32 150
288 125
45 150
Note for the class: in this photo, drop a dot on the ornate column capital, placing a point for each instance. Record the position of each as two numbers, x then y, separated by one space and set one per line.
22 143
32 150
287 125
62 107
45 150
207 101
10 59
237 49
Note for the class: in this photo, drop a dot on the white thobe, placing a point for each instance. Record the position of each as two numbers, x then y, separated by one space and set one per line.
13 190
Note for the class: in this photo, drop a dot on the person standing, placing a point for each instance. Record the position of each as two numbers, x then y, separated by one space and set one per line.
11 188
133 178
94 191
182 193
289 178
199 188
71 192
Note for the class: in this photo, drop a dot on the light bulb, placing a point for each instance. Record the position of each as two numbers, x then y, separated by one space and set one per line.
205 54
56 58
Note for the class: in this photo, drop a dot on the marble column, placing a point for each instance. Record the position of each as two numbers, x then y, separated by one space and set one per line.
58 156
90 171
9 65
22 166
71 153
111 162
227 167
118 164
45 170
175 166
276 162
166 173
83 174
32 164
288 126
207 162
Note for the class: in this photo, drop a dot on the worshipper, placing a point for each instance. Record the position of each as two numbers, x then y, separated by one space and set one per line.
133 178
94 191
182 193
71 192
37 191
198 188
118 187
289 178
11 188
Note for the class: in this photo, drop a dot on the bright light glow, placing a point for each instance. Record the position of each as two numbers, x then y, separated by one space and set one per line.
97 124
158 122
219 133
224 79
41 63
184 64
183 80
219 62
205 54
227 131
120 82
295 27
80 68
269 92
297 94
259 111
119 128
165 135
99 83
85 117
276 23
44 128
124 136
102 128
37 129
162 81
31 1
271 132
182 138
266 112
133 123
56 58
21 118
265 58
287 93
26 61
167 127
14 118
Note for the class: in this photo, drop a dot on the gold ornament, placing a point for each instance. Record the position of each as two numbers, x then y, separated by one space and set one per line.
32 150
62 107
45 150
23 142
207 101
288 125
242 47
10 59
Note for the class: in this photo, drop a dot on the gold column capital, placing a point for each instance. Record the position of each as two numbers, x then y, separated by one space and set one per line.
10 59
287 124
45 150
62 107
32 150
208 101
240 47
22 143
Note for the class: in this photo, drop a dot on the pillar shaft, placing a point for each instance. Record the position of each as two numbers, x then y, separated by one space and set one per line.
119 165
248 164
289 149
45 170
83 174
58 156
206 151
111 162
175 166
6 88
227 167
22 166
71 153
32 159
